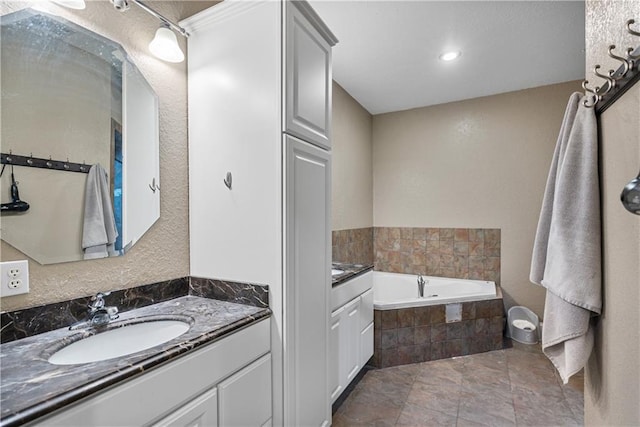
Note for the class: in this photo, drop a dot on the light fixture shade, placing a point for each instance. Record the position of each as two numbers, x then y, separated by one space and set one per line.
71 4
450 56
165 46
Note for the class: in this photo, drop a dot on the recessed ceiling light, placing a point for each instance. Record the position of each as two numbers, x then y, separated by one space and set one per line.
450 56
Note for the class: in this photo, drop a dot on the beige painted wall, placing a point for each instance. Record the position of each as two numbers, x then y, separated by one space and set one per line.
352 176
480 163
163 252
612 383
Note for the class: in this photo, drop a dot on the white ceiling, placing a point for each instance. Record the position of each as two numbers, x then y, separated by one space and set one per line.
387 56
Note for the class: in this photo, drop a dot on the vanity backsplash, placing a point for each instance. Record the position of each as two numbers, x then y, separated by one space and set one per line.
36 320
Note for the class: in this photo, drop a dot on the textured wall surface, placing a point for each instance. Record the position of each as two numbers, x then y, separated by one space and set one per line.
351 173
612 377
481 163
605 25
163 252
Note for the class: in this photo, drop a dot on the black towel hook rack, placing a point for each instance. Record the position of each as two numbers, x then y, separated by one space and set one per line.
35 162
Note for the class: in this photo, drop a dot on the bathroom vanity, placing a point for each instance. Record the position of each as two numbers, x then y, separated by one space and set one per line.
351 330
204 376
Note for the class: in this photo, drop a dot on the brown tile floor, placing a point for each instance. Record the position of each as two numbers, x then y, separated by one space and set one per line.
514 386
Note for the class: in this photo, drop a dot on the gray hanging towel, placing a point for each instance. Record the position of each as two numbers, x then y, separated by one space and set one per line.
567 251
99 231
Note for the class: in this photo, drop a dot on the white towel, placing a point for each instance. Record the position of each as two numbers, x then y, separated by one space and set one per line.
99 231
567 251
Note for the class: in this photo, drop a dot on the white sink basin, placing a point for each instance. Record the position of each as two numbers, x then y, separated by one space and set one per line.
336 271
119 342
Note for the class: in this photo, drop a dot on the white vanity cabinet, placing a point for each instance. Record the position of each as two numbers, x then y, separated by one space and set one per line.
351 331
260 109
226 383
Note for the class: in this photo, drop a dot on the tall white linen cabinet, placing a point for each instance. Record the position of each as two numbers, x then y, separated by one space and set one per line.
260 111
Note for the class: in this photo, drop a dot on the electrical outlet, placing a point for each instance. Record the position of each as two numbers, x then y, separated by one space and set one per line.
14 278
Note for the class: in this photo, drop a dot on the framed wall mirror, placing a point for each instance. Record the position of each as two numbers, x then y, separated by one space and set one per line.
73 96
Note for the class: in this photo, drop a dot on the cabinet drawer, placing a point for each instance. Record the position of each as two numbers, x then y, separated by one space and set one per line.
345 292
200 412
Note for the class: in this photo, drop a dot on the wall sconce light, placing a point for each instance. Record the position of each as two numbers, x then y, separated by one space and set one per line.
165 45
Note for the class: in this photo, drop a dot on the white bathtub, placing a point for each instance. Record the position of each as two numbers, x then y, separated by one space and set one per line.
393 291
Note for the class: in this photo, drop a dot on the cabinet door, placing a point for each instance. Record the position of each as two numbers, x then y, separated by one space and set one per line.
244 399
307 283
352 321
366 344
308 79
366 309
336 385
200 412
235 125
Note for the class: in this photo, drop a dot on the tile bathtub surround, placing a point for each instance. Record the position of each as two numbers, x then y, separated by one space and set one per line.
463 253
353 246
420 334
36 320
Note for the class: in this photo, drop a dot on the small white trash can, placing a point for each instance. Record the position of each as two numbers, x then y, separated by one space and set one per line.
523 325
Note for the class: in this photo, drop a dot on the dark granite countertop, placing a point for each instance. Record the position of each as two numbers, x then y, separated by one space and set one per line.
31 387
350 271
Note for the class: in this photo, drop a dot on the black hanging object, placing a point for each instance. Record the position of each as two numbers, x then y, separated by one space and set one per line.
16 205
630 196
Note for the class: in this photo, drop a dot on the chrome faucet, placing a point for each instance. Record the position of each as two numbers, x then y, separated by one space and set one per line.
97 313
421 283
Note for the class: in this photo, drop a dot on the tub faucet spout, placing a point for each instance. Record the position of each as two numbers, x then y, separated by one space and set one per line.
421 283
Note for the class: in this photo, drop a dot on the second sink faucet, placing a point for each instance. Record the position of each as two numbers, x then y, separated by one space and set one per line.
97 313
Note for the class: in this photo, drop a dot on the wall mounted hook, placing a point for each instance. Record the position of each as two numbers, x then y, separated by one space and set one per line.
153 186
228 180
611 83
630 55
596 97
625 63
630 22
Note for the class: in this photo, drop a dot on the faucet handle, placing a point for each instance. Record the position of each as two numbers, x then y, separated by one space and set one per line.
98 300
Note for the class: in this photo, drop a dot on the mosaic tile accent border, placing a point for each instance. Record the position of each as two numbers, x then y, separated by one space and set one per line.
353 246
36 320
420 334
463 253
